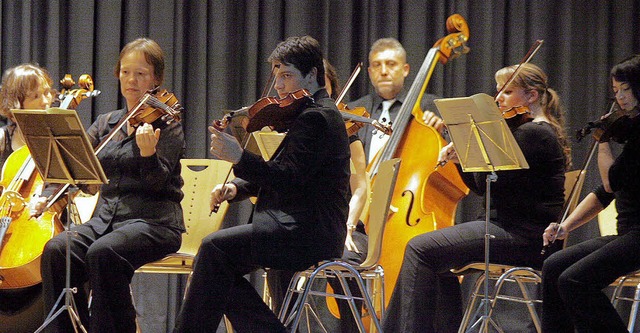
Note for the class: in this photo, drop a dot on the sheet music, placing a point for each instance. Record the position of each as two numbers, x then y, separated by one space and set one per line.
480 135
59 146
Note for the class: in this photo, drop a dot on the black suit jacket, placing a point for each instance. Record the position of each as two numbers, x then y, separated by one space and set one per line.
373 104
303 191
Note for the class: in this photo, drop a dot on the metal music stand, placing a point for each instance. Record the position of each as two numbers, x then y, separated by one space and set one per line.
483 143
63 154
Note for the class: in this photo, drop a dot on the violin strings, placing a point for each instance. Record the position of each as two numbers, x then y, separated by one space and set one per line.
154 102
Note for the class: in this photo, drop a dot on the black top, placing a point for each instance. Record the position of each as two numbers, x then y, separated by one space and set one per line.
624 178
303 191
146 188
7 133
525 201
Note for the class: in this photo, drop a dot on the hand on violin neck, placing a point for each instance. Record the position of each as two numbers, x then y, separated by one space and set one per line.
147 139
224 146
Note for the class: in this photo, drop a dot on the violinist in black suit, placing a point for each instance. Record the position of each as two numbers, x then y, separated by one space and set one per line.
303 202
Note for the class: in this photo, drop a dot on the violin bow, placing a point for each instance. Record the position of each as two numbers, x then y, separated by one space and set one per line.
349 82
245 138
532 51
271 81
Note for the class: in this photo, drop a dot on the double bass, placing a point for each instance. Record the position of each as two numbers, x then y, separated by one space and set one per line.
423 199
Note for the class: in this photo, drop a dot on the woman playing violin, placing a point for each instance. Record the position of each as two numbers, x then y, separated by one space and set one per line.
427 296
26 86
573 279
138 218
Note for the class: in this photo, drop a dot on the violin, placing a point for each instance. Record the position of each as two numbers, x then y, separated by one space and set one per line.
517 115
150 109
277 113
158 109
356 118
616 125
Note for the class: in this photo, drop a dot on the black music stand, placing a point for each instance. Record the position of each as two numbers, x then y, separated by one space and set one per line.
483 143
63 154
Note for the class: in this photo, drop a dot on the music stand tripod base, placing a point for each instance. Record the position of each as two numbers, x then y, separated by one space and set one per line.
67 292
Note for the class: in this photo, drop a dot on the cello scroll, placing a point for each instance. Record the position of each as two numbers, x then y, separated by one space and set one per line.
72 97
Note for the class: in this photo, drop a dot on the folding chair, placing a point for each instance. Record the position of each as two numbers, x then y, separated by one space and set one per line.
200 176
521 276
373 291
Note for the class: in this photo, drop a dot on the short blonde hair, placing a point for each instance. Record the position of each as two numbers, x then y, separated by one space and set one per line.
18 83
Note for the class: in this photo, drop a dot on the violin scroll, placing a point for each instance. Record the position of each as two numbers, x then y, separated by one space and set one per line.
356 118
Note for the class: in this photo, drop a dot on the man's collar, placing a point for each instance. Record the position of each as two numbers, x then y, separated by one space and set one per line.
377 100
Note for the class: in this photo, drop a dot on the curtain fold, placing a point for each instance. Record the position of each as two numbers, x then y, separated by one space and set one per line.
216 50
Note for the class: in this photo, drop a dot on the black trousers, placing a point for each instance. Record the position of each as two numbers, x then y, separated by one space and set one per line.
107 262
573 280
218 287
427 296
278 282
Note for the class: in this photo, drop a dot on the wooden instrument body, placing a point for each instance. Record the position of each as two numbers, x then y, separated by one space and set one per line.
423 200
26 236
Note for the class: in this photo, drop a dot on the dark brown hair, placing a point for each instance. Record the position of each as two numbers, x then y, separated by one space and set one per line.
303 53
628 70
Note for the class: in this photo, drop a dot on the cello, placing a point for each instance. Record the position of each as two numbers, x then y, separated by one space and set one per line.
423 199
22 237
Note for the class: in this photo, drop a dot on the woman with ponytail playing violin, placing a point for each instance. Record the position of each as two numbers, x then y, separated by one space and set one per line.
138 218
427 296
573 279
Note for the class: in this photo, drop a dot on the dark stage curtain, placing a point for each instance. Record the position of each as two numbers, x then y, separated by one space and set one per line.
216 55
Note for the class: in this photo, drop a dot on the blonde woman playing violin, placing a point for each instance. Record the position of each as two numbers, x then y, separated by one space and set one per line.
427 296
